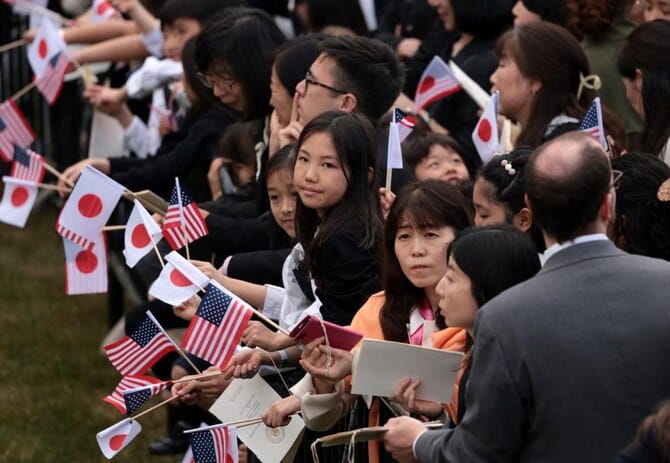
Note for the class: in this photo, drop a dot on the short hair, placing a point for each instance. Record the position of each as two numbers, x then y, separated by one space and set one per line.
369 69
200 10
281 160
431 203
416 148
483 18
294 59
342 13
566 206
238 140
240 42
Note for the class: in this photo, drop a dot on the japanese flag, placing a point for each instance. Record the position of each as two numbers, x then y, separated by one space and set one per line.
101 11
115 438
142 232
88 208
179 280
485 135
85 269
17 201
46 44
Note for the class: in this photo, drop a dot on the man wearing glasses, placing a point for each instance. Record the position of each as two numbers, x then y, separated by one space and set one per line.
565 364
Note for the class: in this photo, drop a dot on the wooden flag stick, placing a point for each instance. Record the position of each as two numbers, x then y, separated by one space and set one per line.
158 254
23 91
389 177
55 172
238 424
12 45
48 186
268 321
113 227
155 407
198 377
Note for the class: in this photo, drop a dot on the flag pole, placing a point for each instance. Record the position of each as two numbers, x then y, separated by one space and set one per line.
55 172
49 186
198 377
154 407
12 45
237 424
268 320
158 254
389 177
179 349
113 227
23 91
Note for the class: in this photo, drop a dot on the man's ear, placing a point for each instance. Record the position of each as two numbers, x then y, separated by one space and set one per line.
348 102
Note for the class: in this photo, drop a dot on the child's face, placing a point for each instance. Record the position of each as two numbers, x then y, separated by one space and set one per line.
319 175
175 35
488 211
282 197
442 164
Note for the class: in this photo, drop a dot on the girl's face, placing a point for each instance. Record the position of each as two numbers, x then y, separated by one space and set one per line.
227 89
516 91
442 164
175 35
445 12
282 199
523 15
319 176
280 99
488 211
457 304
422 252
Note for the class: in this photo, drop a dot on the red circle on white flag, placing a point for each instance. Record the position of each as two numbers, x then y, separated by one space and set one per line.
102 7
86 261
19 196
90 205
426 84
116 442
42 48
178 279
139 236
484 130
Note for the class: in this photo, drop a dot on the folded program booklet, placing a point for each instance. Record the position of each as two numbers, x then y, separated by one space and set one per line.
339 337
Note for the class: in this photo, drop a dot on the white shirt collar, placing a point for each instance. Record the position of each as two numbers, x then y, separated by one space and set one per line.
555 248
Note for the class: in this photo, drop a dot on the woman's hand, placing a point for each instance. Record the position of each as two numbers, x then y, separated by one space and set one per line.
326 371
187 309
405 394
279 413
257 334
244 364
72 173
386 198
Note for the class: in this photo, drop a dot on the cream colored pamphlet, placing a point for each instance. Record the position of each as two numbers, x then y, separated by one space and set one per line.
248 398
380 365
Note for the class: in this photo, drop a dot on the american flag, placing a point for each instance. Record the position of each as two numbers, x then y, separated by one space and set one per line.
183 221
28 165
593 123
437 81
128 383
135 398
406 123
51 81
217 326
137 352
14 129
218 445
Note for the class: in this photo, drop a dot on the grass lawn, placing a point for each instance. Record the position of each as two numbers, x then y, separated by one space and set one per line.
52 374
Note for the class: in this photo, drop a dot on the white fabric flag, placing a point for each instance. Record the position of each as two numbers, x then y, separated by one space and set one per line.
115 438
394 152
88 208
46 44
485 135
179 280
437 81
17 201
141 232
85 269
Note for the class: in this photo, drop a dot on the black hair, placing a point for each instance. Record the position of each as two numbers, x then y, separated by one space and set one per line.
483 18
566 206
642 223
367 68
238 141
205 98
199 10
416 148
342 13
647 48
282 159
431 203
353 137
240 42
294 59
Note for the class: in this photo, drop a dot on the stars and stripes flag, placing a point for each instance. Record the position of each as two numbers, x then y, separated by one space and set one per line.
28 165
217 326
51 82
437 81
130 383
14 129
135 398
593 123
136 353
217 445
406 123
183 221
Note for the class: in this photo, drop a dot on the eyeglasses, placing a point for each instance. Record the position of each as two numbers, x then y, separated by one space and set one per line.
616 178
309 80
211 81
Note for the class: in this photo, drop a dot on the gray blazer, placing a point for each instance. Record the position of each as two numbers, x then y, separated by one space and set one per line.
566 364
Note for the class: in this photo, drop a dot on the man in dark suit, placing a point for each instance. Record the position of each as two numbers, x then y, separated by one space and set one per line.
567 363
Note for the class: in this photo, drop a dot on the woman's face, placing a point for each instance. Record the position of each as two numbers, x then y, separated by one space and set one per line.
517 92
227 89
488 211
634 92
422 252
282 197
445 12
280 99
457 304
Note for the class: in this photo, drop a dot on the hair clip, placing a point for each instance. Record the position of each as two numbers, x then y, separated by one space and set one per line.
592 82
508 167
663 193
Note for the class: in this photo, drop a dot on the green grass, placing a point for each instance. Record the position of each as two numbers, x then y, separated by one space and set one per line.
52 374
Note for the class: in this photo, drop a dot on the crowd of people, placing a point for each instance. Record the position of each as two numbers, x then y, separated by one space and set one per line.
546 266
